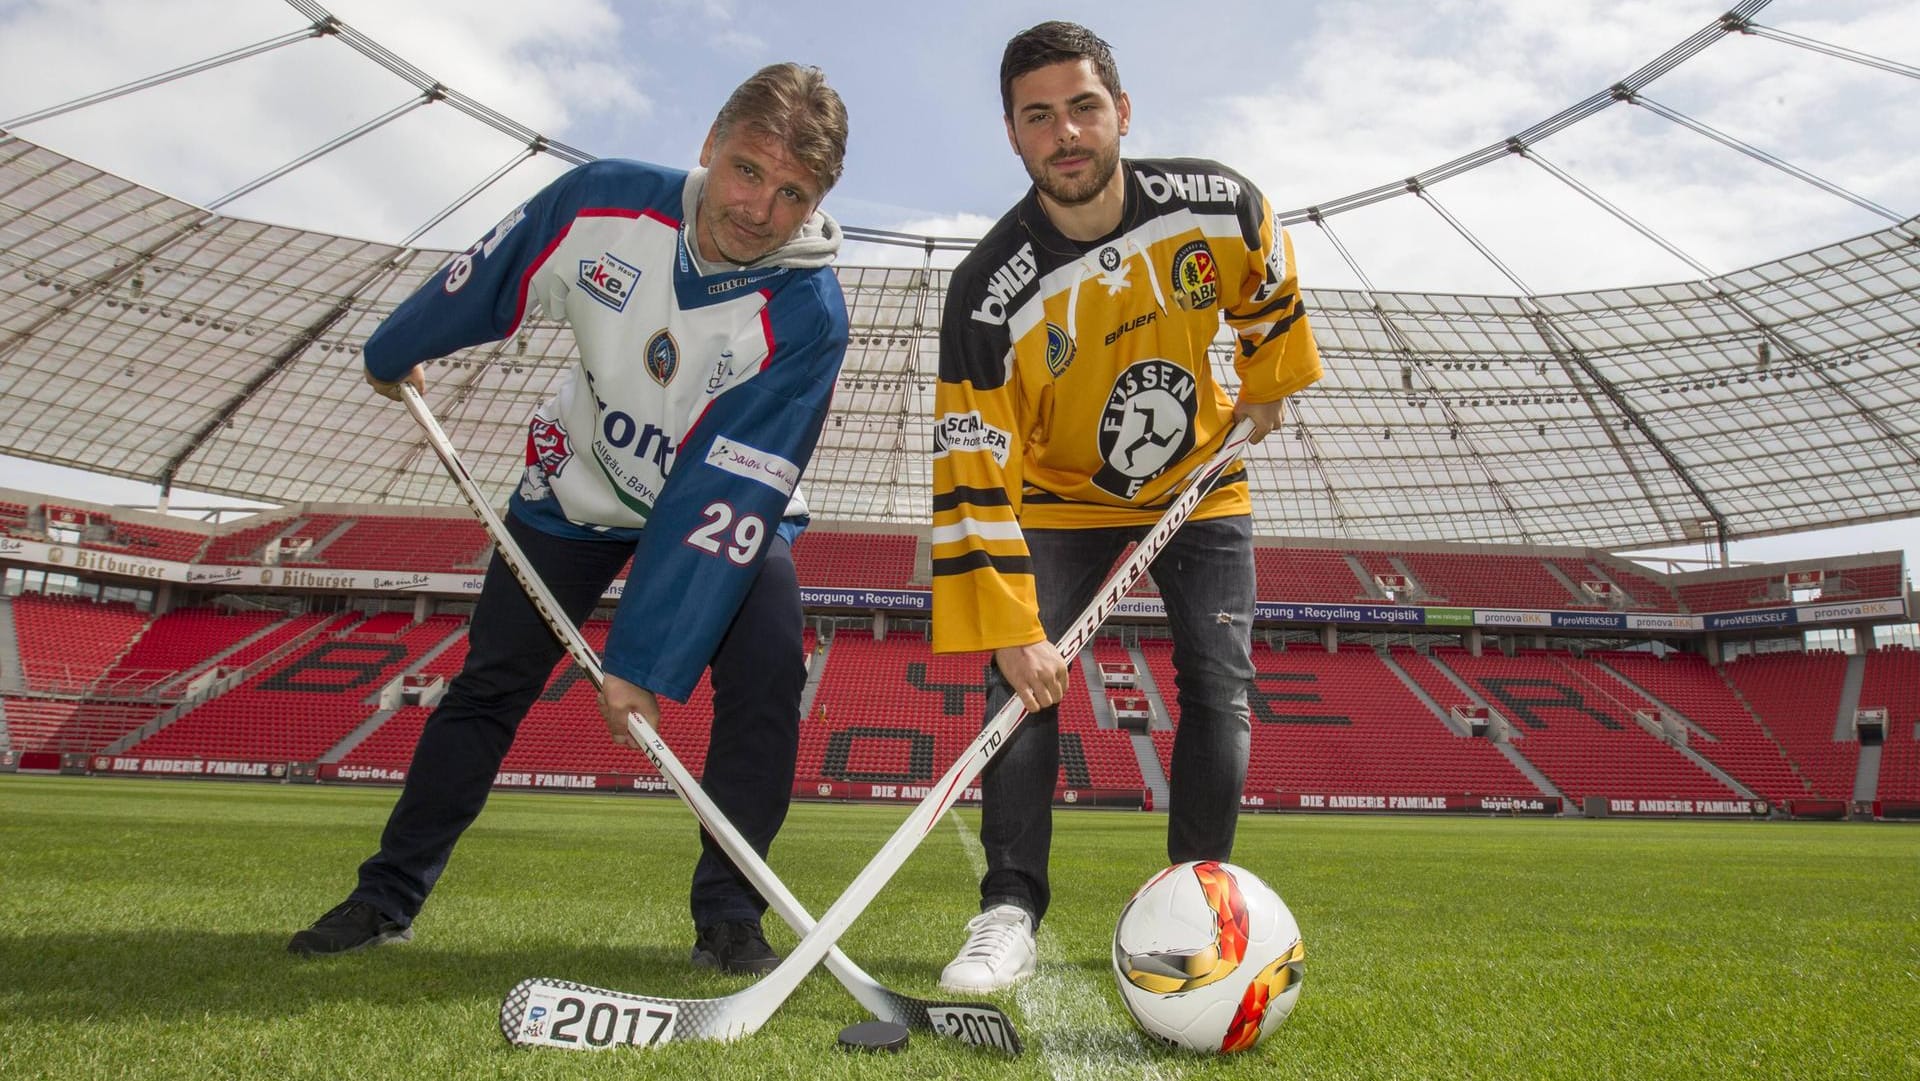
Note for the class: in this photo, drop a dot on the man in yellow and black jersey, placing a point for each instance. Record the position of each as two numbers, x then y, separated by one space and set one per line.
1076 394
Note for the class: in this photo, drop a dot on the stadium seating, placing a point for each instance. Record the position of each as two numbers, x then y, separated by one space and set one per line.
1694 689
67 643
879 700
1341 723
1797 697
427 545
1730 595
280 636
1580 732
73 725
891 710
244 545
1305 574
1493 581
1892 683
1642 590
297 709
1882 580
1378 563
825 559
179 643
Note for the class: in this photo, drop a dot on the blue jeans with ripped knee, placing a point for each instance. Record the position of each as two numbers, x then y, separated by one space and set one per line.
1206 579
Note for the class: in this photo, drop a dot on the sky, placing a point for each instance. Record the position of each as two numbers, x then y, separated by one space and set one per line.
1312 101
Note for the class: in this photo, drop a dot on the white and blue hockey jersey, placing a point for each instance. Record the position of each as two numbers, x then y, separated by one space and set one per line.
693 408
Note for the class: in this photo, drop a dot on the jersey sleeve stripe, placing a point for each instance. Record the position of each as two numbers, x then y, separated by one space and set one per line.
974 528
1269 308
978 497
978 560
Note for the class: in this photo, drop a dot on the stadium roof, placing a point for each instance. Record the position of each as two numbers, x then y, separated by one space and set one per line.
146 338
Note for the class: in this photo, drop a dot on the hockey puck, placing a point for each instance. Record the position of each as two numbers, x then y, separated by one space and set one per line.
874 1036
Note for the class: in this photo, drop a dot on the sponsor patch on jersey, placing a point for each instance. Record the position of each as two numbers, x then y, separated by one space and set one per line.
609 280
757 465
1190 187
1006 283
1196 281
1109 259
968 432
461 267
663 357
1146 426
1059 350
548 446
722 372
1276 270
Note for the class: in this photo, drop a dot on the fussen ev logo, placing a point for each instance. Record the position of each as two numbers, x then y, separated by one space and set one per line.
608 280
662 357
1146 426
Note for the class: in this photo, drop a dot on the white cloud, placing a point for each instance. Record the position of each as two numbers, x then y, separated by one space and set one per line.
203 136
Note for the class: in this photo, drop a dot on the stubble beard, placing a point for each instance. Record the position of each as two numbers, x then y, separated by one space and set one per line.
715 220
1078 192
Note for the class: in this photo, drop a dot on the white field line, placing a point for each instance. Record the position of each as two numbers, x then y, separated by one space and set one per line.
1065 1012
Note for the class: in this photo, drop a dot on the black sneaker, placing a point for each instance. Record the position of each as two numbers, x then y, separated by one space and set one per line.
736 947
348 926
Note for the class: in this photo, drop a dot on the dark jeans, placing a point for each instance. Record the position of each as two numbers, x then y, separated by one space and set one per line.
1205 575
758 674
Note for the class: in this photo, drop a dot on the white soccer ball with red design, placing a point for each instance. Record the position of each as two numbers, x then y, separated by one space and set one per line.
1208 957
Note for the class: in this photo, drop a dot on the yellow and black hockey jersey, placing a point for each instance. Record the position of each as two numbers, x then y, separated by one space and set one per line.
1075 389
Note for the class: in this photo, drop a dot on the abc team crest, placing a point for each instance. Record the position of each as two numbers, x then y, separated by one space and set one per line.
1196 281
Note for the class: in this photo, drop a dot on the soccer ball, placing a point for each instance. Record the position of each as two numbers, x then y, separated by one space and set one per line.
1207 957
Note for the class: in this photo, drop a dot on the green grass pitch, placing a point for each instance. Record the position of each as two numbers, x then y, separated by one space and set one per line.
142 925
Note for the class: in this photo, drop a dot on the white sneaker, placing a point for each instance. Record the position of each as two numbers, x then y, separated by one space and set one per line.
999 952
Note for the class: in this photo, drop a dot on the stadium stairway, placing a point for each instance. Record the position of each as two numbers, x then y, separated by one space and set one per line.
1695 731
1160 717
260 664
317 553
1363 578
13 676
1507 749
1867 781
816 671
381 716
1575 594
1162 713
1866 776
1427 700
1096 686
1151 774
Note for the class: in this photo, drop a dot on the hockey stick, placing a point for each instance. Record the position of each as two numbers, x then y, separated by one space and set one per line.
977 1023
644 1020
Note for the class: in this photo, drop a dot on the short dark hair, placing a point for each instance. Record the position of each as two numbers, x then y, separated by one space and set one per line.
794 104
1051 43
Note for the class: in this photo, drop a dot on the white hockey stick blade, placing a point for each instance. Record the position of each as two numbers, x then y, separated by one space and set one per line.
978 1023
576 1017
659 1020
